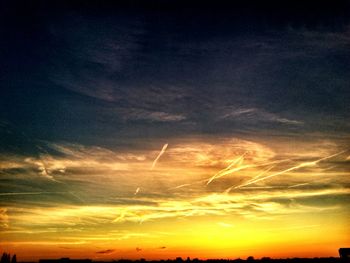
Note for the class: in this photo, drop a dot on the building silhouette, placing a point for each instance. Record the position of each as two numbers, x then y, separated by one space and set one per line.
344 253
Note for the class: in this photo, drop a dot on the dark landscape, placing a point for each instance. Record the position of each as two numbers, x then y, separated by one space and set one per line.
344 256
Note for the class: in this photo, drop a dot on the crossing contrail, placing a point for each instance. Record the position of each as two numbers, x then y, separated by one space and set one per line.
301 165
179 186
189 184
254 178
261 174
229 171
237 161
159 155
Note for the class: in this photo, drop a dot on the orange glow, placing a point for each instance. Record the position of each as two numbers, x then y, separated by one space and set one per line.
174 210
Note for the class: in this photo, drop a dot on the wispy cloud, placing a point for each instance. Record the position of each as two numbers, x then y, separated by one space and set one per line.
241 204
255 115
153 116
4 219
107 184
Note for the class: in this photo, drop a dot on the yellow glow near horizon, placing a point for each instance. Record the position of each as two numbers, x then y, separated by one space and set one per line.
277 205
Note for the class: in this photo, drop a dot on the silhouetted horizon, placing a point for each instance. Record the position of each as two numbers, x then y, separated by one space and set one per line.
341 258
261 259
344 256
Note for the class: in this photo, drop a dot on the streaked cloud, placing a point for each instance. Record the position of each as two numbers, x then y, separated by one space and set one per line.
106 208
107 251
4 220
255 115
156 116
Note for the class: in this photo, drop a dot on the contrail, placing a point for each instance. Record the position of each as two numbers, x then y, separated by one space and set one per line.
221 173
290 169
226 172
77 197
184 185
254 178
238 160
297 185
159 155
119 218
261 174
229 172
179 186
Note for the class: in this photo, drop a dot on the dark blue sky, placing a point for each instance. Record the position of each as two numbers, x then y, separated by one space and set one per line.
86 72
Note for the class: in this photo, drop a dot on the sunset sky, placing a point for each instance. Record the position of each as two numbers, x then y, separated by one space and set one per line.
157 129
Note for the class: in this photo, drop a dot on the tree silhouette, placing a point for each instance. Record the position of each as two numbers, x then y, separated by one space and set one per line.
5 258
14 259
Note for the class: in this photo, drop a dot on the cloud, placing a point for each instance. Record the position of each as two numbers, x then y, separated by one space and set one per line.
162 247
212 153
107 251
4 219
287 121
39 163
153 116
97 188
92 170
249 113
239 112
108 53
255 115
241 203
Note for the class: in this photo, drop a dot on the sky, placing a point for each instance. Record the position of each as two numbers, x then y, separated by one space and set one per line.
157 129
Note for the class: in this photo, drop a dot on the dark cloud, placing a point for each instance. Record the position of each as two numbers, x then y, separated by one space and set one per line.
107 251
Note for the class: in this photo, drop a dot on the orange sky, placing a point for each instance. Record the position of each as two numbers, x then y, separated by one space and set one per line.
201 199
